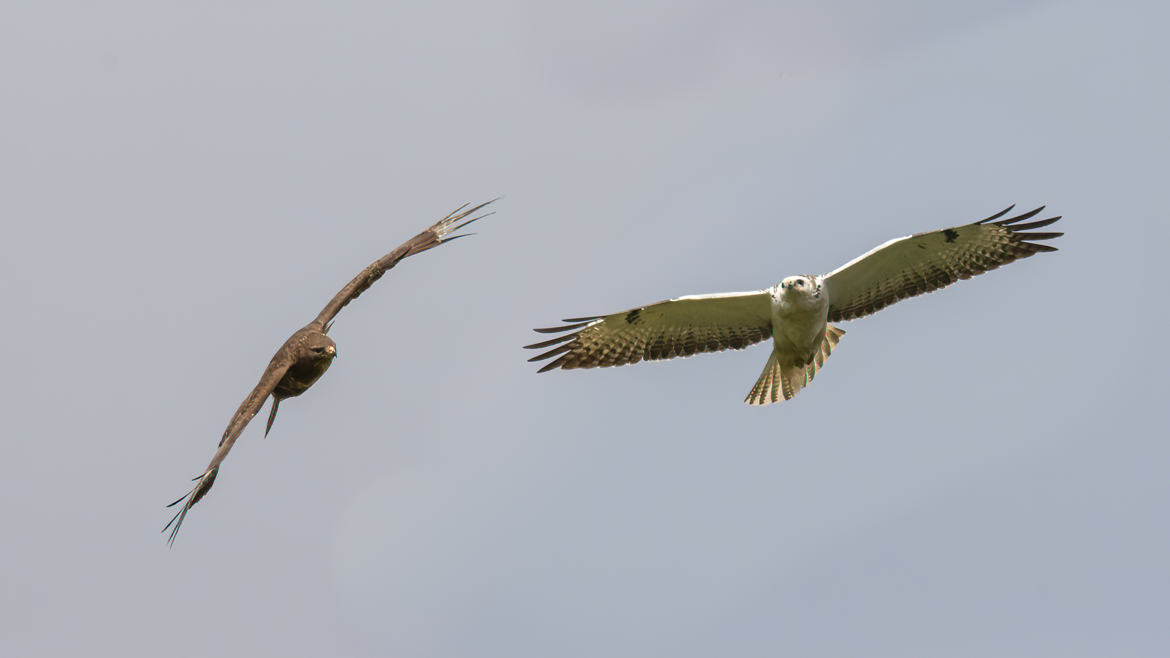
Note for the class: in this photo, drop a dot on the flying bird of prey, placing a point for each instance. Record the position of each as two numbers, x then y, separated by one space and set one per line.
307 354
796 312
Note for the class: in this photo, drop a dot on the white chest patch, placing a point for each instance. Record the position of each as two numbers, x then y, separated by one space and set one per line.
799 315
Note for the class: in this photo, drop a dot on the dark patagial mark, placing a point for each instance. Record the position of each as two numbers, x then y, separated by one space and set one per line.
951 235
633 316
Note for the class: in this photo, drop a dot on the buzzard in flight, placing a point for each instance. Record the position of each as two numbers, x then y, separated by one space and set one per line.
307 354
796 312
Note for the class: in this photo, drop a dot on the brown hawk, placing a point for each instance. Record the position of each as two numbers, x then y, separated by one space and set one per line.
307 354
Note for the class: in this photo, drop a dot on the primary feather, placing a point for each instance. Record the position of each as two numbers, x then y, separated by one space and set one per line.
305 356
796 311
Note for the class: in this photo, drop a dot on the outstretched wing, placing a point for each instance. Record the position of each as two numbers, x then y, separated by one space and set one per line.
279 365
676 327
924 262
434 236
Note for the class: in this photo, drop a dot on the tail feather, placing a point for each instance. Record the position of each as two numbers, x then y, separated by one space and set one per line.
767 388
794 378
784 382
271 415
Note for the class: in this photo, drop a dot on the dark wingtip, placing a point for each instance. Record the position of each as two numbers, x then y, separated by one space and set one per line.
550 342
1021 217
1040 223
175 531
566 327
997 215
168 525
452 238
1040 236
551 353
458 214
191 497
551 366
176 520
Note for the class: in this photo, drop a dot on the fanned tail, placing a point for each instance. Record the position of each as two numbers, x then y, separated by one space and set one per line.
779 382
767 388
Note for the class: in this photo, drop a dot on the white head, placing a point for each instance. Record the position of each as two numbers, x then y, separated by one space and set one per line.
801 285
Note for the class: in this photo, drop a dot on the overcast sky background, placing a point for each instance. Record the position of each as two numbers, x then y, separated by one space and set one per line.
977 472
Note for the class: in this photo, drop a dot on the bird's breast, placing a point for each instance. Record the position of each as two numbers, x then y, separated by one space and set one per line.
301 375
798 327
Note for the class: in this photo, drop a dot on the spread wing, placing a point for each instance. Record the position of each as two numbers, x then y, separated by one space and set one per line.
279 365
924 262
676 327
434 236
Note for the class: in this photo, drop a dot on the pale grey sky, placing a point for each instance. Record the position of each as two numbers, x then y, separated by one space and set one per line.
978 472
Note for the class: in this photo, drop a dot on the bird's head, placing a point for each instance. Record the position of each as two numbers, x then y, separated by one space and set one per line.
802 285
321 346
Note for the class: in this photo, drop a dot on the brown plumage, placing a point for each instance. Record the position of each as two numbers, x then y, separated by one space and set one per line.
307 354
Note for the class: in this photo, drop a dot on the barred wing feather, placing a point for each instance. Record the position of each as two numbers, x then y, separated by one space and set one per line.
925 262
672 328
